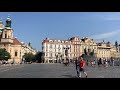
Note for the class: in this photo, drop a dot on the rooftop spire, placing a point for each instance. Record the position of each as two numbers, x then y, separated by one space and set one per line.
8 22
8 18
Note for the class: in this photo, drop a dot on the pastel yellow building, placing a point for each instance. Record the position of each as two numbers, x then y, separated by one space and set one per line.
103 50
89 45
76 47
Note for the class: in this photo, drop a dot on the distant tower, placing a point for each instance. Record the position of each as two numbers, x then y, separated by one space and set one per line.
8 22
7 33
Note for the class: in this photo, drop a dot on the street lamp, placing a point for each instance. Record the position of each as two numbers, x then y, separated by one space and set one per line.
56 57
59 54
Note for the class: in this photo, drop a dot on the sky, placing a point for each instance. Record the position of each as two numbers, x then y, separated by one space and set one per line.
33 27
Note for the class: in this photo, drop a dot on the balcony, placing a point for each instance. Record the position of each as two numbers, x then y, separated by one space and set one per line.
5 40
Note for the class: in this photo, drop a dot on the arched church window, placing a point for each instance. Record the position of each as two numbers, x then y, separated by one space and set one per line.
15 53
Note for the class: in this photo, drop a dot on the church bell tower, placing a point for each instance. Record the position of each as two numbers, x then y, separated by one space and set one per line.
7 33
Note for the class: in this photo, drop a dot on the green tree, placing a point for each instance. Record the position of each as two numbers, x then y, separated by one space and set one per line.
39 57
4 55
29 57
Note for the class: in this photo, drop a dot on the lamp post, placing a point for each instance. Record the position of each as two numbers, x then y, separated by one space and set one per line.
56 58
59 54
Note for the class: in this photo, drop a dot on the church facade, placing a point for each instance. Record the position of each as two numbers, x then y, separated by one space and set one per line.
11 43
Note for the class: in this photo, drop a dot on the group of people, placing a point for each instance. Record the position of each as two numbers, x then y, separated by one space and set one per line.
101 62
80 67
80 64
106 62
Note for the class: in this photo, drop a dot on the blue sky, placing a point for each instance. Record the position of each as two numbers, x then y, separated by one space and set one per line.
35 26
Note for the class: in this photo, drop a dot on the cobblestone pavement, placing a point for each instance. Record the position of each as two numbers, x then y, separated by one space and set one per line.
56 71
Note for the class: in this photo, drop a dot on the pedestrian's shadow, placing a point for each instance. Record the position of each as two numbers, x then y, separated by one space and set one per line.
70 76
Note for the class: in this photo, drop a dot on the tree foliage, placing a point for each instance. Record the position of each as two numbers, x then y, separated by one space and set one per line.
39 57
4 55
29 57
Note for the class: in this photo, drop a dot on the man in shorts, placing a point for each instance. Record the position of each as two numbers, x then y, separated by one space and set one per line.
82 66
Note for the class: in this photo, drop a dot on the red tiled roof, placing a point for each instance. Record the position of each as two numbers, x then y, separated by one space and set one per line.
45 40
16 41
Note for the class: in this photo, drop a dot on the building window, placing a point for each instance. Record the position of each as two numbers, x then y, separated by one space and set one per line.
10 50
20 53
50 45
5 35
51 54
15 53
1 36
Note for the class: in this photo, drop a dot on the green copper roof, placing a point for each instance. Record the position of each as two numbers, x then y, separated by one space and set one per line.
8 28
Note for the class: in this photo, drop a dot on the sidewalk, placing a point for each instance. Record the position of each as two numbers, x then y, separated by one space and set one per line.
3 65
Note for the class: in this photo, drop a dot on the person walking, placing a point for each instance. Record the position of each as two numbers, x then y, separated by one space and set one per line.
77 62
82 67
113 61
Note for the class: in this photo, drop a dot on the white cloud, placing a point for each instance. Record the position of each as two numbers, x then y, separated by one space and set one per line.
106 35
